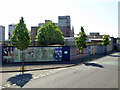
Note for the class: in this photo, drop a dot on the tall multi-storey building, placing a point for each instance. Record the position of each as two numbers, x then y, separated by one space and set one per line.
64 23
34 32
2 33
72 32
10 31
2 38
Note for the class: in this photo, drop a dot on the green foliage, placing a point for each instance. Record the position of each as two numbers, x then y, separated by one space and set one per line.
20 38
105 40
81 40
49 34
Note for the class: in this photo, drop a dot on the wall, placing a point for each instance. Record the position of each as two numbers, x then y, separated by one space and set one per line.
65 30
90 51
52 53
100 49
0 54
109 47
93 49
75 53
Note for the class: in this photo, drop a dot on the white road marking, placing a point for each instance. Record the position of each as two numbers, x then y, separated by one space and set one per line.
5 85
14 84
48 73
35 77
51 71
42 75
8 85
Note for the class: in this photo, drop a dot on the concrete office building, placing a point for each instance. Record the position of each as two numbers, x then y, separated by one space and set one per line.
2 38
2 33
11 27
64 23
72 32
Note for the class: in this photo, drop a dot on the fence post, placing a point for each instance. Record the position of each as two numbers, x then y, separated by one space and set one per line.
89 52
1 52
97 50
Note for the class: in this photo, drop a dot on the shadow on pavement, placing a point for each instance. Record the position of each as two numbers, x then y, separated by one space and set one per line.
114 55
94 65
20 80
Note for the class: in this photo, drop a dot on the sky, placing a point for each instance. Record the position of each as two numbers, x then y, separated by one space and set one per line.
95 15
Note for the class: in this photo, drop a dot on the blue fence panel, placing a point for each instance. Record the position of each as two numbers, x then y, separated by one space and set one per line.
100 49
66 53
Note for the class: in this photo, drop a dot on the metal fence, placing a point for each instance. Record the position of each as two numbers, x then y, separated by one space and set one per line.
75 53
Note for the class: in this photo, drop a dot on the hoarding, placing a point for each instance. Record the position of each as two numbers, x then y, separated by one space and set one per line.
32 54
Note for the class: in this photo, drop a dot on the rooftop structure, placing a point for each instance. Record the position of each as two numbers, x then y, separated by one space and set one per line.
11 29
2 33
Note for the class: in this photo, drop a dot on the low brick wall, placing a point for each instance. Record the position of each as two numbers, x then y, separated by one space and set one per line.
76 54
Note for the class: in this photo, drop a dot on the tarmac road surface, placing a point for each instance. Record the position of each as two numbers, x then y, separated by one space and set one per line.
101 73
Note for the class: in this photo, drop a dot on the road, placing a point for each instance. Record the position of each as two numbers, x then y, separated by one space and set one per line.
100 73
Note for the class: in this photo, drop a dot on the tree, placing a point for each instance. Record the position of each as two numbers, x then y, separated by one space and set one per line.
49 34
21 38
80 41
105 42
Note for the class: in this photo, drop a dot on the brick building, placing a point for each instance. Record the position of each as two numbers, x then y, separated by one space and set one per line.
63 23
34 32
